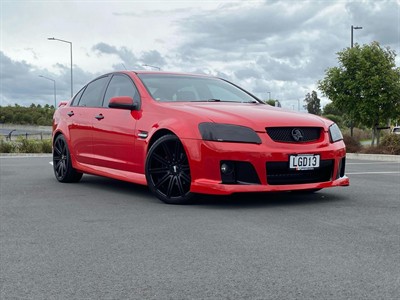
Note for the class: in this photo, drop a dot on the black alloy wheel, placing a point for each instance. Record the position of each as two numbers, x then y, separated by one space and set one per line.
168 171
62 165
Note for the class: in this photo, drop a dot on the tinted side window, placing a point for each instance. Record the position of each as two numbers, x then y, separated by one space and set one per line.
93 94
77 97
121 85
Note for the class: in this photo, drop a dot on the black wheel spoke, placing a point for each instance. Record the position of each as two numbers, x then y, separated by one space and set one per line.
167 151
170 186
57 148
60 169
64 149
159 170
180 185
160 159
163 180
185 168
185 177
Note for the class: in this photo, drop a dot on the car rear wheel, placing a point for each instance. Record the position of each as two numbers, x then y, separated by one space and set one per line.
62 165
168 171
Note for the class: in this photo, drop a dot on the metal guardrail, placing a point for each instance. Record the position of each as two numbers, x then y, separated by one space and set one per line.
14 134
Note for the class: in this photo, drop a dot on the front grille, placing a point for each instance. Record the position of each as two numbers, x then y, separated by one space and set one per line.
285 134
278 173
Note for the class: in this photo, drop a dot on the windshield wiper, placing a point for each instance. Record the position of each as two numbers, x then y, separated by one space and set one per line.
219 100
210 100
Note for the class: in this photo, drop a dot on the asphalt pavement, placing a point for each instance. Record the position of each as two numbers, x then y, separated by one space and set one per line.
105 239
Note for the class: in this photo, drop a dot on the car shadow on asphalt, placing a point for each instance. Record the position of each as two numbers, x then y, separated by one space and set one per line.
231 201
271 199
117 186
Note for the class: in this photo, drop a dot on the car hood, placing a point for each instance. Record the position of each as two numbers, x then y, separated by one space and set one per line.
256 116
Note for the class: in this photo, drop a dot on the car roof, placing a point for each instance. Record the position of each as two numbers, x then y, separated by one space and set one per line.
169 73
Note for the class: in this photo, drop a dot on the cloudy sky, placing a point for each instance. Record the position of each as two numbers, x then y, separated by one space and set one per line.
280 47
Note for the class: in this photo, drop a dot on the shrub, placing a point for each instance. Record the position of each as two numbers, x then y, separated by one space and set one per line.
25 146
352 144
374 150
359 134
29 146
46 146
7 147
392 143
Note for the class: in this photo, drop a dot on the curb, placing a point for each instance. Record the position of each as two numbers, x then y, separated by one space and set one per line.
379 157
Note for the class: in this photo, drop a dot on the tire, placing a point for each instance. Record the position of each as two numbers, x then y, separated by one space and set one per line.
62 165
168 171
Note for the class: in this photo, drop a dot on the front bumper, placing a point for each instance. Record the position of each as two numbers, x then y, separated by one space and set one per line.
205 159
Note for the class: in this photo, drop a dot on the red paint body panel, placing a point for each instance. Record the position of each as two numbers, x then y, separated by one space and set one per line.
114 142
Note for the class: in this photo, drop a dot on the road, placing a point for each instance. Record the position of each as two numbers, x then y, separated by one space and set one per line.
103 239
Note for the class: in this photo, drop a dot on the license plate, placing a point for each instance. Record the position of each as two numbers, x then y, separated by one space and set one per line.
304 161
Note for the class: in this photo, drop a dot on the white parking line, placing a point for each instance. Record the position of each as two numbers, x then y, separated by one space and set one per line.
50 162
373 163
372 173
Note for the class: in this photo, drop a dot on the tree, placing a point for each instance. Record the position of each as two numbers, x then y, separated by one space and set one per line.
365 85
331 109
33 115
313 103
273 102
270 102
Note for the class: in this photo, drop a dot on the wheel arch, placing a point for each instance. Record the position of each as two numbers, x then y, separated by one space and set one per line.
158 134
55 135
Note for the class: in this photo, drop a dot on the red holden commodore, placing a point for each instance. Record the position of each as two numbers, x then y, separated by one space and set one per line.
186 134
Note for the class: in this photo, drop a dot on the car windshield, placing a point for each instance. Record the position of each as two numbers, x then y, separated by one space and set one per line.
186 88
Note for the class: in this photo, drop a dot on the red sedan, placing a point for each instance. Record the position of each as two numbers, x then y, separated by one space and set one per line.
185 134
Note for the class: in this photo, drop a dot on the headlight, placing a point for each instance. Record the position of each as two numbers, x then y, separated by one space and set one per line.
335 133
228 133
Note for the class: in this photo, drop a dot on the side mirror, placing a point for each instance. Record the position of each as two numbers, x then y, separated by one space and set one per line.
122 102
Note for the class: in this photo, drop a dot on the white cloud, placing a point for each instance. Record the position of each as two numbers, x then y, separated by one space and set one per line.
282 47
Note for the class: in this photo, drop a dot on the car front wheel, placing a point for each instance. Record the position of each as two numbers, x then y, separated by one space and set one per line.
168 171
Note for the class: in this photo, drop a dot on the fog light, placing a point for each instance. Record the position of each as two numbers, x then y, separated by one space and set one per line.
226 168
227 172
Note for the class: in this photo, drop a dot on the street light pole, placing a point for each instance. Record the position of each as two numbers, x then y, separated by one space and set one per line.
269 95
352 29
70 43
55 90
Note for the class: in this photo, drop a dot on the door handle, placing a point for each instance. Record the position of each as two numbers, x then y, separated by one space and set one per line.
70 114
99 117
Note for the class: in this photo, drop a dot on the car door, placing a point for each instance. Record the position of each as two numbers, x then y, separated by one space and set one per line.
81 114
114 129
